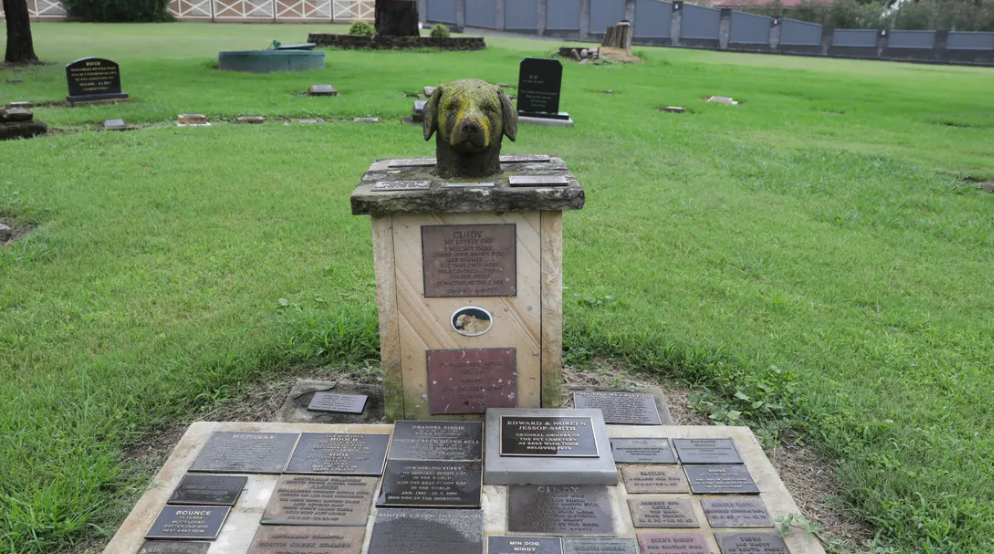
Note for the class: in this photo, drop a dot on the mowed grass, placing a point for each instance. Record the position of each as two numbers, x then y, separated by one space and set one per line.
812 257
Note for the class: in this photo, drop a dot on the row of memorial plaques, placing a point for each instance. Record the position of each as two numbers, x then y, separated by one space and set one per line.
679 512
305 453
651 450
692 542
698 479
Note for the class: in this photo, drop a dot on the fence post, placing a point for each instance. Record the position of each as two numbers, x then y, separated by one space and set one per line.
827 35
543 6
775 30
939 47
724 27
882 39
584 20
676 22
499 22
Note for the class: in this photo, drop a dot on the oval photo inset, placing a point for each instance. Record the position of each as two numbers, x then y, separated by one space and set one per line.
471 321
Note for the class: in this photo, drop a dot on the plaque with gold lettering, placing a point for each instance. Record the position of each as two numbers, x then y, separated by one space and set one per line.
282 539
470 381
565 437
469 260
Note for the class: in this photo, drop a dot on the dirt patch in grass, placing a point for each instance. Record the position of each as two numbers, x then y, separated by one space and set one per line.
986 186
18 232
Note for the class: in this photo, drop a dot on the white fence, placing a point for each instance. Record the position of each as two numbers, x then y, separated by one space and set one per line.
273 11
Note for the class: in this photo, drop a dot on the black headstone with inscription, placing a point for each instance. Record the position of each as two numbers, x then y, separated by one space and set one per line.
540 82
94 80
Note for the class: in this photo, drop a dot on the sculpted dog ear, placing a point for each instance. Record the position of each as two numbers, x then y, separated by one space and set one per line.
430 123
508 114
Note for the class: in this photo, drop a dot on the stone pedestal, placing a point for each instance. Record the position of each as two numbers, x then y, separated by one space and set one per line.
469 284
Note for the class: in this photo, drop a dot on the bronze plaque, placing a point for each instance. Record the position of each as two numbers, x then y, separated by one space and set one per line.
751 543
470 381
279 539
673 543
320 500
469 260
559 510
663 512
736 512
654 480
564 437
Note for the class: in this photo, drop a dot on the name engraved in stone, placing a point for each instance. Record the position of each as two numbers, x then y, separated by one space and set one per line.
469 260
673 543
642 451
320 500
470 381
416 483
663 512
751 543
437 440
338 402
625 408
524 545
720 479
707 451
279 539
427 531
90 76
520 158
208 490
339 454
567 437
188 522
381 186
538 180
174 547
736 512
559 509
412 162
234 452
655 480
599 545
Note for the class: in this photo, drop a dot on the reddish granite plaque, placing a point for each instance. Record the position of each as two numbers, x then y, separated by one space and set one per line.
673 543
470 381
469 260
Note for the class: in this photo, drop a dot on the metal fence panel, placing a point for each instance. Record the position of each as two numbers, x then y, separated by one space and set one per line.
652 19
562 15
700 22
481 13
911 39
749 29
799 33
859 38
521 15
604 14
443 11
970 41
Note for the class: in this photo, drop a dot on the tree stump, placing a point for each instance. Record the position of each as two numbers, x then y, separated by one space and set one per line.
397 18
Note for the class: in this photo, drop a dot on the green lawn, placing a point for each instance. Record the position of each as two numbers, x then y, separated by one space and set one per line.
813 257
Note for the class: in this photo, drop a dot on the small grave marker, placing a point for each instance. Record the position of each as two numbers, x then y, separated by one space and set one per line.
666 513
625 408
192 120
251 120
736 512
338 402
471 381
208 490
174 547
674 543
674 109
571 437
538 180
437 440
524 545
599 545
751 543
560 510
707 451
322 90
366 120
655 480
427 531
642 451
230 452
320 500
339 454
306 539
384 186
23 104
188 522
431 484
720 479
94 80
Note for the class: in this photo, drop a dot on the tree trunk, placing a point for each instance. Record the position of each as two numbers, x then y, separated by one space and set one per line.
398 18
20 47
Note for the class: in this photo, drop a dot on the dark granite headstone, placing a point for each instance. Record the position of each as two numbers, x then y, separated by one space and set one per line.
666 513
93 80
751 543
736 512
568 437
237 452
429 484
642 451
469 260
174 547
560 510
188 522
524 545
320 500
599 545
208 490
624 408
427 531
720 479
540 82
655 480
673 543
707 451
306 539
472 380
338 402
339 454
437 440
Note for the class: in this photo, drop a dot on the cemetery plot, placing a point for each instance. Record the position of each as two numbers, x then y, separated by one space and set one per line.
320 500
339 454
625 408
227 452
561 509
431 484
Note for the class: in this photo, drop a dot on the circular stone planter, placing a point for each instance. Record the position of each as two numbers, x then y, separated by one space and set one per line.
270 61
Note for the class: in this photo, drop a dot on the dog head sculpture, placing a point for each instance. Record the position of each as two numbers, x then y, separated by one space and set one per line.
471 118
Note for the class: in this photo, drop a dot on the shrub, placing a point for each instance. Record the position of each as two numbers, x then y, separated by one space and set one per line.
118 11
439 31
361 29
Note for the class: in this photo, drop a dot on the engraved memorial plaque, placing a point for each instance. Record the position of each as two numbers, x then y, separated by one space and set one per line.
523 158
751 543
723 479
339 454
93 76
540 82
642 451
412 162
655 480
469 260
538 181
320 500
188 522
707 451
430 484
736 512
338 402
663 512
427 531
382 186
560 509
625 408
599 545
468 185
174 547
235 452
566 437
305 539
673 543
524 545
208 490
437 440
470 381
